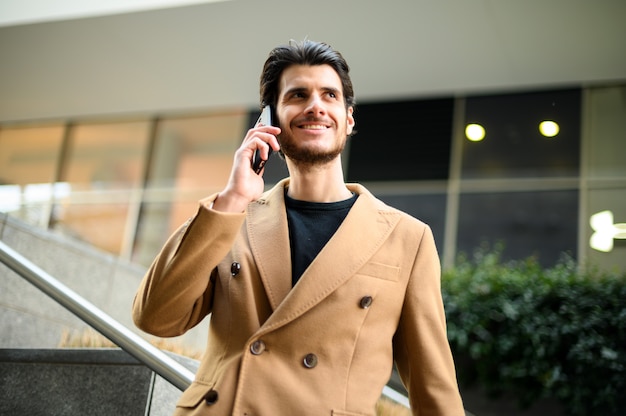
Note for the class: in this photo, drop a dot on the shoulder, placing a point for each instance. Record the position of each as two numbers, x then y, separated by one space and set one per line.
384 209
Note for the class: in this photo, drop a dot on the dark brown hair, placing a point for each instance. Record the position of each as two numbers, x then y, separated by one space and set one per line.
306 52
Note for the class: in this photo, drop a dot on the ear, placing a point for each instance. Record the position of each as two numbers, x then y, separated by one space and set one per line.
350 121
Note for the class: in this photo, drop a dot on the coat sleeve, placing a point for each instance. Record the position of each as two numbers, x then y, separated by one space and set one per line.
177 291
421 348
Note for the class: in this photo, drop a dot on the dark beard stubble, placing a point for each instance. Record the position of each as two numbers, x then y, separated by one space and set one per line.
305 156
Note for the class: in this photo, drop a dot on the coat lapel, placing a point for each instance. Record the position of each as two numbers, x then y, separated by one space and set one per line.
269 241
346 252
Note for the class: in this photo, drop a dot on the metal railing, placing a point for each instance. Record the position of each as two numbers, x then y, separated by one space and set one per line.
142 350
127 340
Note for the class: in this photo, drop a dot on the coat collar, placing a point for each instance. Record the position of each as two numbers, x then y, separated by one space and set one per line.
346 252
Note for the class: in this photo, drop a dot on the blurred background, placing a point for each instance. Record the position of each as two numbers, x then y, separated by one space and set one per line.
493 121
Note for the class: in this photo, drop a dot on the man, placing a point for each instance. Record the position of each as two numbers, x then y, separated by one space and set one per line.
315 286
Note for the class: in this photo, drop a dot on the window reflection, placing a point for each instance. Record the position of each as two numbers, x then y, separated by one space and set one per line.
103 171
540 224
401 141
513 146
192 159
28 164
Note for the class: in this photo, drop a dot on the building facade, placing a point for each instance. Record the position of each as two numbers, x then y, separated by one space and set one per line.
480 169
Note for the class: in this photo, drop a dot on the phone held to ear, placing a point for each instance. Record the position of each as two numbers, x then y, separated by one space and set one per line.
266 119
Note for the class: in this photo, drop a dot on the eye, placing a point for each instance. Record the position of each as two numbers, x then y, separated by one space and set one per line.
297 95
333 94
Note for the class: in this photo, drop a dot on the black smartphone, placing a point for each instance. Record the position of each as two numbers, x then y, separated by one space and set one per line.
266 119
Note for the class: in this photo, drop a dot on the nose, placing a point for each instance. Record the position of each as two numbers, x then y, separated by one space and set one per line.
315 106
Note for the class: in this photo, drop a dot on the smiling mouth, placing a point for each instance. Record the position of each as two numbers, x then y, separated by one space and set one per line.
313 127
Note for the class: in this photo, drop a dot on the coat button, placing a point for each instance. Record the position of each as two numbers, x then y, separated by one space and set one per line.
235 268
257 347
366 302
310 360
211 397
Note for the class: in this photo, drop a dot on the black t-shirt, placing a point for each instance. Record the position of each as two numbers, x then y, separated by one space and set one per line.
311 225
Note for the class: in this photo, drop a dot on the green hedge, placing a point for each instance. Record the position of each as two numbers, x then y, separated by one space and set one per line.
518 328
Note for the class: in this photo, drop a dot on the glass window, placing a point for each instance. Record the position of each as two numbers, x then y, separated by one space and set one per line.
541 224
29 157
512 144
401 141
192 159
103 173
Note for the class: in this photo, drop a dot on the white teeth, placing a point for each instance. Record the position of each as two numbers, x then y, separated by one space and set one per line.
314 127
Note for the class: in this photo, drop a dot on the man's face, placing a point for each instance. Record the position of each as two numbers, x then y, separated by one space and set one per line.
312 113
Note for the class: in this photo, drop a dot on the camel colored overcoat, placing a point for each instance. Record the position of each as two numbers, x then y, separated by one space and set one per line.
323 347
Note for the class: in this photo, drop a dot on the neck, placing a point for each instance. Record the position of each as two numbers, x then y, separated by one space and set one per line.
317 183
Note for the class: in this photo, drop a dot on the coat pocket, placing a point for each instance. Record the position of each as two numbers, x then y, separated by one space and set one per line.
381 271
193 395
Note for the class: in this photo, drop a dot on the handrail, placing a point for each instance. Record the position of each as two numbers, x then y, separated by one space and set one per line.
151 356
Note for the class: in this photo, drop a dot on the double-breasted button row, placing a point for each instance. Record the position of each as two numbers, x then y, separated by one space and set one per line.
258 347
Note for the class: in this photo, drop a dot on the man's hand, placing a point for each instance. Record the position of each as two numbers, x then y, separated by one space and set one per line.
244 185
